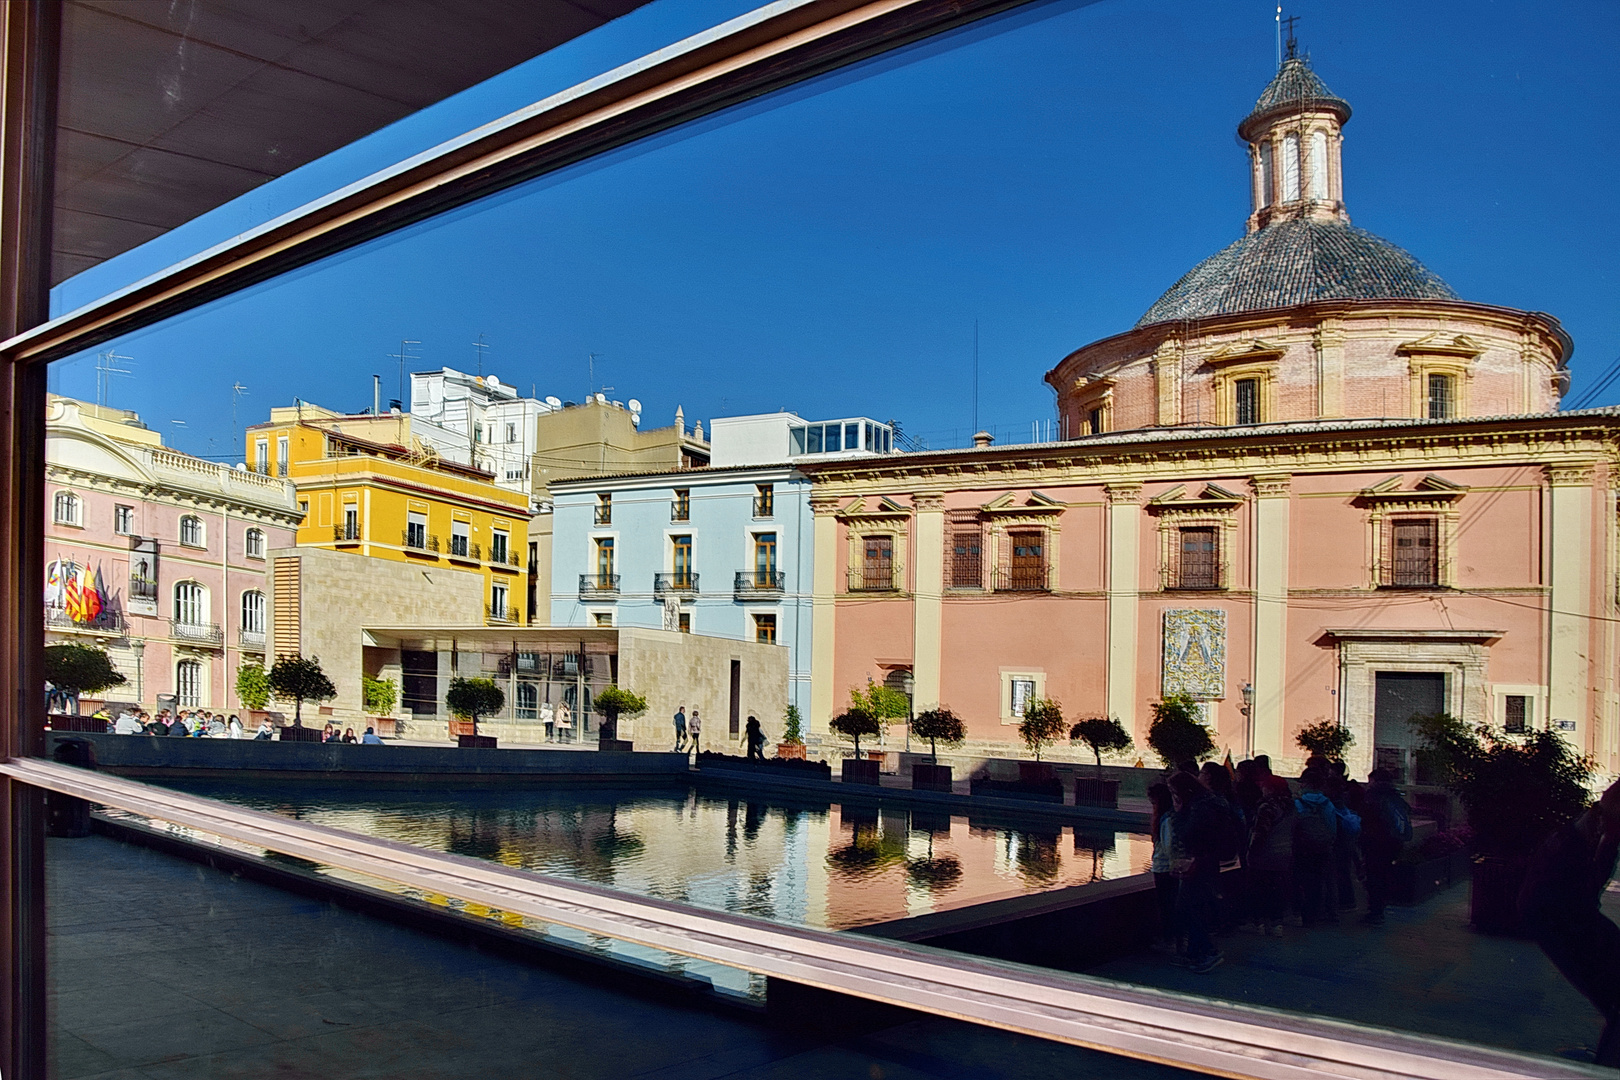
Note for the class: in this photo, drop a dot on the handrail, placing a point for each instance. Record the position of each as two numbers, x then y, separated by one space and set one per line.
1177 1029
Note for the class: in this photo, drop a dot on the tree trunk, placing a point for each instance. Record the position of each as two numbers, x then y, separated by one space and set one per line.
298 712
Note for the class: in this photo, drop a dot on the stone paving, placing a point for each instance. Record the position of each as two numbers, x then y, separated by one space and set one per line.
162 969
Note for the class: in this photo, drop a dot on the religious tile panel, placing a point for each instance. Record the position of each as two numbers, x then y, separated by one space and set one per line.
1195 653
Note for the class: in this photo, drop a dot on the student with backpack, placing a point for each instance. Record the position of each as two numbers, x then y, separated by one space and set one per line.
1316 834
1386 826
1197 822
1271 852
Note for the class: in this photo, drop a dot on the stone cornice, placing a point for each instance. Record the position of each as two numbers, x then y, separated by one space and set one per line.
1571 474
1273 486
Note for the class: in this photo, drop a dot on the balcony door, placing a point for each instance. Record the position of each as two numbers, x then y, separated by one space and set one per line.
1027 569
764 560
877 565
681 561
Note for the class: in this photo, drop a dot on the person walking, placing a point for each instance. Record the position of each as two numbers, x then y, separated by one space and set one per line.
1316 832
694 732
1197 823
755 739
680 728
1560 907
1386 826
1165 854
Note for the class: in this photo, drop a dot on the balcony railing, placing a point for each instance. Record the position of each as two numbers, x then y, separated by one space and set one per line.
501 615
680 510
251 639
105 622
872 579
420 542
347 533
1024 579
196 633
460 548
604 515
759 584
677 584
764 506
598 586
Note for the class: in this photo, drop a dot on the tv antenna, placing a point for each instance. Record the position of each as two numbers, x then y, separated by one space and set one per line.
403 355
238 391
482 347
590 391
107 370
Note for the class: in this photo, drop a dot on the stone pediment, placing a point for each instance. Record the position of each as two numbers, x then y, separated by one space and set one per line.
1248 352
1456 346
1430 491
884 509
1037 503
1212 498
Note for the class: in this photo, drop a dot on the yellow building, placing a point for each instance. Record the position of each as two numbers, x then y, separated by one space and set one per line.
363 492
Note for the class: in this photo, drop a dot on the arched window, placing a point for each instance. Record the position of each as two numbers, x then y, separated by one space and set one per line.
190 603
253 544
1267 177
528 701
1290 169
68 509
188 684
191 531
253 612
1319 165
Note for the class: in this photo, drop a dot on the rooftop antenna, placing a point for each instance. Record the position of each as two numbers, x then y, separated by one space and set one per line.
107 369
403 355
975 374
591 389
1279 37
238 391
482 347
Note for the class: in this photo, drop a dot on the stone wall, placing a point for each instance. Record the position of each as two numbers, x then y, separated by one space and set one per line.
672 669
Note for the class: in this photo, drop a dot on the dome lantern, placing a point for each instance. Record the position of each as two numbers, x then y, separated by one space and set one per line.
1294 134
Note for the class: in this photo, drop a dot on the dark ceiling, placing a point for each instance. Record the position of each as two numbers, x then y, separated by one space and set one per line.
171 107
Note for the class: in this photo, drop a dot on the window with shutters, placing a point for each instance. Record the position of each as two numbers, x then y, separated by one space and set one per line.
966 557
188 684
1516 714
1414 553
1198 564
876 570
1026 567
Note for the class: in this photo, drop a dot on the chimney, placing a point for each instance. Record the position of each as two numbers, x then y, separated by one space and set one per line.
982 440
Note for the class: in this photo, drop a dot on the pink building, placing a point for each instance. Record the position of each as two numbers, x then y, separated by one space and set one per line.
157 555
1312 484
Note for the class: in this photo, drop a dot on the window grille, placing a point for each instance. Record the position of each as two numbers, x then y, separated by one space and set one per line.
1247 392
967 559
1442 399
1414 554
1199 566
1515 714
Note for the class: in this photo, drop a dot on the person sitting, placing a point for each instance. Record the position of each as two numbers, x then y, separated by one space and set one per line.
266 732
233 727
370 738
329 734
348 735
126 724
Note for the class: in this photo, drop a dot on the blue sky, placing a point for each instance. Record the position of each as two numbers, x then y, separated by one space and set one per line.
828 250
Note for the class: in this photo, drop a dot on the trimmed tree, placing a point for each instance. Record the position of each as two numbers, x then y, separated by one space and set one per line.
1177 734
854 724
473 698
378 695
1102 734
299 679
939 726
1325 738
883 703
80 669
252 686
614 702
1042 724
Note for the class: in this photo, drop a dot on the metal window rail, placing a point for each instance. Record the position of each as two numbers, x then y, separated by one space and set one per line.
1177 1029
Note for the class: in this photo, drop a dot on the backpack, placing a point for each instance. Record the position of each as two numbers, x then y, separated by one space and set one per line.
1393 817
1349 825
1314 829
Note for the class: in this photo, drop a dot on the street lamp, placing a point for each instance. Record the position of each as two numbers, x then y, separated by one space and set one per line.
1247 709
906 684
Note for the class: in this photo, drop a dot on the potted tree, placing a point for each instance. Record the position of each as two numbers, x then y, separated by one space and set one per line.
1177 734
1516 789
612 703
883 703
299 679
937 726
473 698
1041 727
852 725
792 744
379 696
253 690
76 669
1102 734
1325 738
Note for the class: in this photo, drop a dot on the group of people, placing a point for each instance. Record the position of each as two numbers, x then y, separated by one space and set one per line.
1283 849
688 731
331 734
183 723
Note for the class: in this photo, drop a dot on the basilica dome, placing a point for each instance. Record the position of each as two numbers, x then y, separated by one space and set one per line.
1299 261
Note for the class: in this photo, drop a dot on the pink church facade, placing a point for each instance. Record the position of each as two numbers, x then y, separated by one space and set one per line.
175 548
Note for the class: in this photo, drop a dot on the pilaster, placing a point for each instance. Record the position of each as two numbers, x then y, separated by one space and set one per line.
1569 524
1124 587
928 600
1329 343
823 611
1166 365
1270 575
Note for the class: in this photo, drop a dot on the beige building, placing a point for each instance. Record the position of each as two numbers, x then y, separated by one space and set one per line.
602 437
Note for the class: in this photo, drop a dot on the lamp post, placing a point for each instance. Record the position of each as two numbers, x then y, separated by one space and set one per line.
1247 709
907 684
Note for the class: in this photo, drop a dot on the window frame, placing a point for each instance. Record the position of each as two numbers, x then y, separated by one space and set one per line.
251 613
194 524
123 515
67 508
252 550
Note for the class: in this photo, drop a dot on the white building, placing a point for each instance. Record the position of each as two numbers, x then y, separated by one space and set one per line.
478 420
775 438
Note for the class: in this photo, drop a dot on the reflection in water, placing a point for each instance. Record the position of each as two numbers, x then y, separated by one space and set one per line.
803 863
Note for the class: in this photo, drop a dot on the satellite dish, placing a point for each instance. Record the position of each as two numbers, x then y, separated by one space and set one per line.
635 406
492 380
554 402
241 466
601 399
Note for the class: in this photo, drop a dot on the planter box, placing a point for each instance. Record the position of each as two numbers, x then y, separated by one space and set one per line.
794 751
459 728
798 768
861 772
616 746
300 734
1413 883
1090 791
477 742
383 725
1051 791
1493 895
930 777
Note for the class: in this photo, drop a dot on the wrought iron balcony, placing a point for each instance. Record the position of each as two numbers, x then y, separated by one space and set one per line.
1024 579
872 579
347 533
604 515
197 633
764 506
676 584
251 639
501 615
598 586
461 549
105 622
681 510
759 584
420 542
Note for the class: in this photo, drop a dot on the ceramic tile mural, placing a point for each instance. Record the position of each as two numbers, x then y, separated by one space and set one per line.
1195 652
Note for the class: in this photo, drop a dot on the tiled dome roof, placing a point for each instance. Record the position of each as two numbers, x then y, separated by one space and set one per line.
1297 262
1296 88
